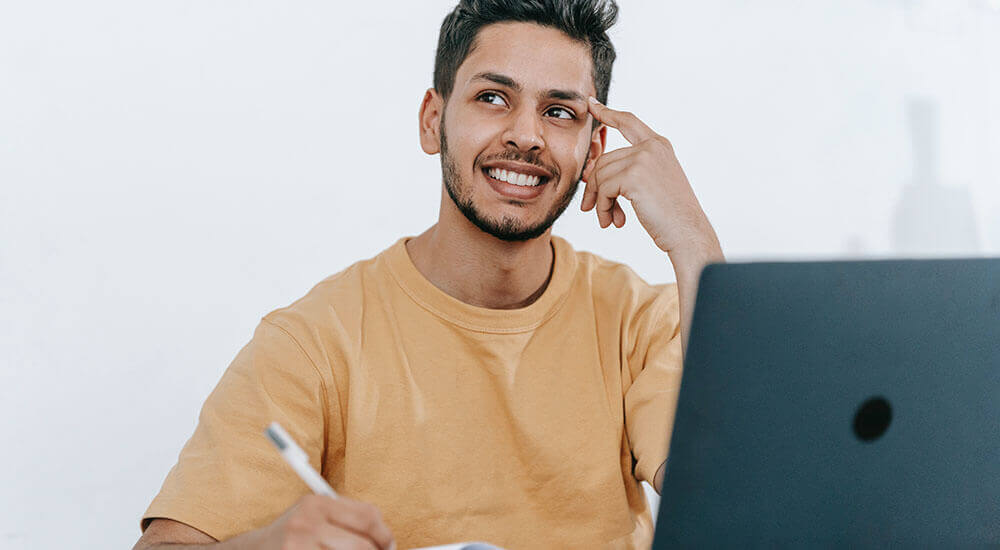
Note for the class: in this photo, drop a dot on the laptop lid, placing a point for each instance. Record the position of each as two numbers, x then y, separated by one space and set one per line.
839 404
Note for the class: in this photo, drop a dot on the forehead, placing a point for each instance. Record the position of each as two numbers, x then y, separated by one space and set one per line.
538 57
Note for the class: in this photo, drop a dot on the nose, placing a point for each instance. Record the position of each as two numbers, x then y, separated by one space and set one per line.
524 131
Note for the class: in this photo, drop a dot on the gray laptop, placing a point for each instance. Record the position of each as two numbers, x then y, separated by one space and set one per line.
839 404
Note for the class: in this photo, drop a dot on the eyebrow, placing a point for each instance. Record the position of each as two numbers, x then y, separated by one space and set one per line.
506 81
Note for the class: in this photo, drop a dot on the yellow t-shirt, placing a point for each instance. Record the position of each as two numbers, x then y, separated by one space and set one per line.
525 428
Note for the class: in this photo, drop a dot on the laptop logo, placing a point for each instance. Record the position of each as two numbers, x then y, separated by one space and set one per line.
872 419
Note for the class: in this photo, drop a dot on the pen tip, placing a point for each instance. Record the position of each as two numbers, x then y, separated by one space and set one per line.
275 437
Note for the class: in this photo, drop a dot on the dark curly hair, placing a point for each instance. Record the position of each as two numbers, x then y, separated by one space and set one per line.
587 21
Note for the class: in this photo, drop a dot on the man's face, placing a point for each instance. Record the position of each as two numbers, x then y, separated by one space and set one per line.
515 133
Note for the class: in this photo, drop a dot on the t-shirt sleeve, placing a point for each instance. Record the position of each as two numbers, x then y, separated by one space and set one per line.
654 362
229 478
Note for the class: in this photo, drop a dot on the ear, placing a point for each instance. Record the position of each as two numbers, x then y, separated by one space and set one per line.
598 139
431 111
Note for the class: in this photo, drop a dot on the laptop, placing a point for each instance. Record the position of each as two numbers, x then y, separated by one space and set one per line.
839 404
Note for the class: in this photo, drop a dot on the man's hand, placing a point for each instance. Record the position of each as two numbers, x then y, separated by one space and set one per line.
315 522
318 522
648 174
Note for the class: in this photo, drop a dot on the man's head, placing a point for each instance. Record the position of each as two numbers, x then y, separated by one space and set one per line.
511 81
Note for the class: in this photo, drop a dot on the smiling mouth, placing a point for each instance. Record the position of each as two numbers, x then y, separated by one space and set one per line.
515 178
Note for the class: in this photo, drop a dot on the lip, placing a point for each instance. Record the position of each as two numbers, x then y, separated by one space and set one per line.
519 167
511 191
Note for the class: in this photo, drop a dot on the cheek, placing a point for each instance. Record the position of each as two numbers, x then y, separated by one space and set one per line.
469 137
471 149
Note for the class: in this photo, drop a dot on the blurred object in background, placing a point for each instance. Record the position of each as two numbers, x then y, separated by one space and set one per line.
931 218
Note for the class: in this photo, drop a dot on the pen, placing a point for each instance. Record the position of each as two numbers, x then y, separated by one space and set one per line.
298 460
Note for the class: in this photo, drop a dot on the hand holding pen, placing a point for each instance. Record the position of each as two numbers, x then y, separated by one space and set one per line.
324 520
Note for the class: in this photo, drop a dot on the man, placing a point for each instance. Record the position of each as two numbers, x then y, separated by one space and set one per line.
483 380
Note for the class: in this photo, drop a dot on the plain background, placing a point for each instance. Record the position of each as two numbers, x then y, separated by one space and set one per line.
172 171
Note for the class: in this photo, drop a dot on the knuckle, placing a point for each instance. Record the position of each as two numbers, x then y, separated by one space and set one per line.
371 516
304 518
296 525
354 543
363 513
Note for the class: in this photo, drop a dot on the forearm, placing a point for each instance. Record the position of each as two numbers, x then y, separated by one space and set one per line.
231 544
688 264
190 539
182 546
658 478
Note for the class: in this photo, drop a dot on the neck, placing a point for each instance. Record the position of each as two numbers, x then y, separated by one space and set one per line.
479 269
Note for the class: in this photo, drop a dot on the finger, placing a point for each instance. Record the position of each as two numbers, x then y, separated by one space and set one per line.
627 123
592 181
592 191
606 195
332 537
589 194
618 215
601 171
607 170
609 185
612 156
360 517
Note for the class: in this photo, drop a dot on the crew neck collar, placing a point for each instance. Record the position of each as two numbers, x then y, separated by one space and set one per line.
482 319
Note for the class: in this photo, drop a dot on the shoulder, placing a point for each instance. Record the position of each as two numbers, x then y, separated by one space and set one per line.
619 293
334 304
611 280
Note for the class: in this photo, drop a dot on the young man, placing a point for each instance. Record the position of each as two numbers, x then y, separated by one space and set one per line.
483 380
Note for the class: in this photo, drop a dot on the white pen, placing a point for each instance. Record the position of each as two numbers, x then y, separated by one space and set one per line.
298 460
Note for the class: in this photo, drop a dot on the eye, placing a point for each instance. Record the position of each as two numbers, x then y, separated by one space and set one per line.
568 114
491 97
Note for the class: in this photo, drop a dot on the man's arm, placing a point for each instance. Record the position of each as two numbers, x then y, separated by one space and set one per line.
664 202
661 196
688 263
658 478
687 268
162 531
312 523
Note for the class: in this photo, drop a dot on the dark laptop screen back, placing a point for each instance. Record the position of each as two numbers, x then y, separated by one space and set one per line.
839 404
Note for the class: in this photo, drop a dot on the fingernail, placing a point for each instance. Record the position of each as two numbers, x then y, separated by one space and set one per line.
593 100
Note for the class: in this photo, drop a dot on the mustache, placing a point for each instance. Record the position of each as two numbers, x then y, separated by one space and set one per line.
519 156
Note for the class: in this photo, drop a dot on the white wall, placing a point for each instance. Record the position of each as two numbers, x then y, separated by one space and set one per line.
171 171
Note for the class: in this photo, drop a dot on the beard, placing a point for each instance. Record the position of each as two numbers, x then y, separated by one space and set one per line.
507 228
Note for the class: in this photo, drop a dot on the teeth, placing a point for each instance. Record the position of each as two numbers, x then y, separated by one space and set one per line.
514 178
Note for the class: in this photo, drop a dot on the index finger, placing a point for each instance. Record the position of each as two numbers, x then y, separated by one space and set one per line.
360 517
628 124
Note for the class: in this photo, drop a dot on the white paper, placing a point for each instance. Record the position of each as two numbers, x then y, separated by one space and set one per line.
462 546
